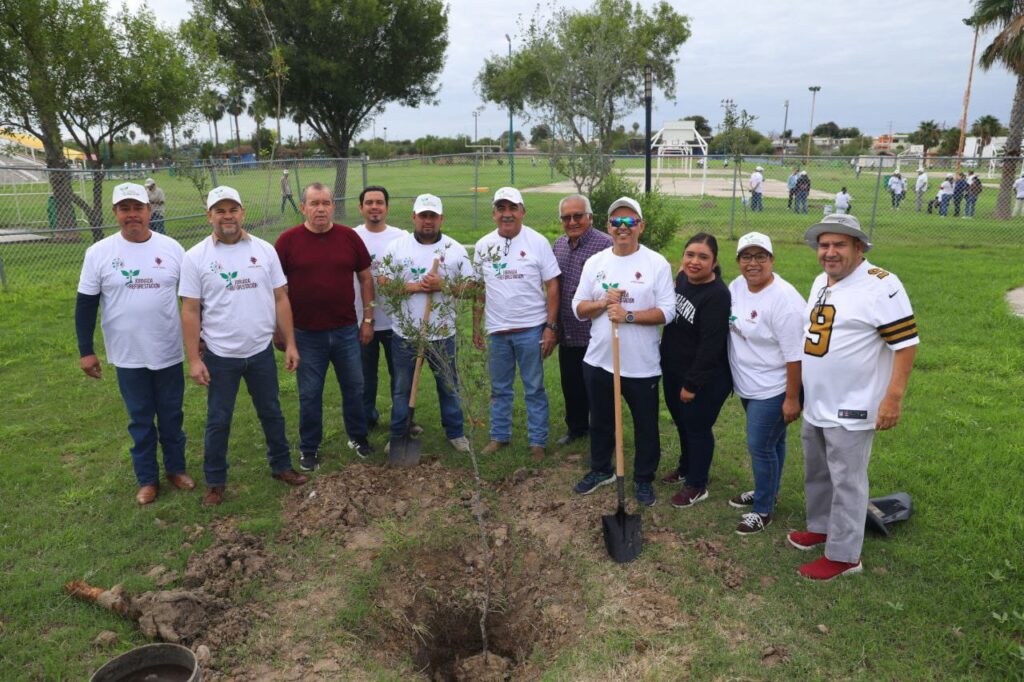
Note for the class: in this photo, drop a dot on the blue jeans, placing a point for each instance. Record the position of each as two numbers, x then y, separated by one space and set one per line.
970 201
404 356
504 352
370 354
149 393
317 350
756 201
260 374
944 204
766 443
156 222
800 203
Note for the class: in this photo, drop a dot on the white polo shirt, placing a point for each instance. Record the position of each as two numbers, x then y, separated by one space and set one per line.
235 284
138 288
514 272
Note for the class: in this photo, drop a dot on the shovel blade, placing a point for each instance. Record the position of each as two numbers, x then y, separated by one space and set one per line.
622 535
404 452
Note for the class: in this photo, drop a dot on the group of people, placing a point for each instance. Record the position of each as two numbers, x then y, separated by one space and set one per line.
843 357
954 189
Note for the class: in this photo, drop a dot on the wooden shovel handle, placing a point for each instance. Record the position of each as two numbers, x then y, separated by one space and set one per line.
620 464
419 353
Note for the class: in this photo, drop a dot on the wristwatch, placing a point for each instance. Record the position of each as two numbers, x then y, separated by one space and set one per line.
368 320
553 326
630 317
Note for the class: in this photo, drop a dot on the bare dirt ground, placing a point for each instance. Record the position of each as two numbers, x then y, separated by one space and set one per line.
1015 297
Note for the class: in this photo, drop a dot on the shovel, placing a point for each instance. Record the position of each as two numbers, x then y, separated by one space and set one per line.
405 451
622 531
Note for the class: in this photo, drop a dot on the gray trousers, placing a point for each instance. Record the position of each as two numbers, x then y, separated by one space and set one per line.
920 201
836 486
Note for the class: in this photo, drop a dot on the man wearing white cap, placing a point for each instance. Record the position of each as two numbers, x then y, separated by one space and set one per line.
756 189
286 192
897 189
920 187
234 295
860 340
521 301
133 275
945 194
410 259
156 202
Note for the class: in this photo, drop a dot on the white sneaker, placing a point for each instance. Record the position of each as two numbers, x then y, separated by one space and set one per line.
461 444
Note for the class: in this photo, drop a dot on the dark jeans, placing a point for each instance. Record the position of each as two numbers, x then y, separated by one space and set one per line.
756 201
445 378
260 374
577 405
694 421
642 397
371 360
156 222
317 351
149 393
287 199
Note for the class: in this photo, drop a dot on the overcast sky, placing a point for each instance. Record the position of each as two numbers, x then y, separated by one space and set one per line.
879 63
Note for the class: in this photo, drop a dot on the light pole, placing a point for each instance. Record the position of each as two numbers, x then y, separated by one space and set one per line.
810 128
476 119
511 158
648 85
785 122
387 152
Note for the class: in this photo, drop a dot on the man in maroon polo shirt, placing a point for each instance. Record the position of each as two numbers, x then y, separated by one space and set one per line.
319 258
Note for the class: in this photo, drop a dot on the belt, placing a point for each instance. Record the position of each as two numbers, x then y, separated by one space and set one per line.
511 331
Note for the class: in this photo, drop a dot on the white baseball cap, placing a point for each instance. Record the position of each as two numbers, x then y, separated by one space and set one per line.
427 202
508 194
759 168
220 193
628 203
754 239
129 190
150 181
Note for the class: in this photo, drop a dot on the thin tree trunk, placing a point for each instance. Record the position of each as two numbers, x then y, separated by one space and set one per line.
340 185
1011 154
60 182
238 140
216 137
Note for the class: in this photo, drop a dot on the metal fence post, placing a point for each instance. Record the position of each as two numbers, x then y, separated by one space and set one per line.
363 158
213 173
732 213
476 188
874 207
298 182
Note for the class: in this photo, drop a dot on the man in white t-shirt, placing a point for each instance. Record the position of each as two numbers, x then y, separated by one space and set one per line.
945 194
411 259
897 189
920 187
632 286
133 275
1018 188
860 341
520 298
376 235
234 295
756 189
843 201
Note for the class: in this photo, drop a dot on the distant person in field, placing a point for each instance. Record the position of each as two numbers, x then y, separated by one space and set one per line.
756 189
156 202
959 192
921 188
974 190
844 202
234 281
945 194
132 275
286 192
801 191
791 184
860 339
1018 188
897 189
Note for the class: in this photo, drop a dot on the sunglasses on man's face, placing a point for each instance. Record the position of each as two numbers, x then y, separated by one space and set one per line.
625 222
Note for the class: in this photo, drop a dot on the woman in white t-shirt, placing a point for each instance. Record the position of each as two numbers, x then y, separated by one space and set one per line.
765 347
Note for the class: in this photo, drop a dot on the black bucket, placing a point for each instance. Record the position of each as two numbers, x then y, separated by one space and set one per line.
151 663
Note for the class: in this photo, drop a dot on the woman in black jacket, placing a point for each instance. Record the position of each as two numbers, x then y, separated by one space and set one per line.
695 364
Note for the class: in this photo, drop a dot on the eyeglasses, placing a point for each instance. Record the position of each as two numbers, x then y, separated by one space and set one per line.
624 222
761 257
573 217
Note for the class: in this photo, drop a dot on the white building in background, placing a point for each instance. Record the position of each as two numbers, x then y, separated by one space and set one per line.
973 148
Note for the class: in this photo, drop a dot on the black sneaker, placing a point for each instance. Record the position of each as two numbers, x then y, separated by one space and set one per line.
309 461
645 494
361 446
592 481
753 522
744 499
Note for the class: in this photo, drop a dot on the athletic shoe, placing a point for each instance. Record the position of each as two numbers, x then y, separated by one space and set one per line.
592 481
753 522
461 444
825 569
361 446
742 500
674 478
804 540
309 461
415 430
689 496
645 494
387 448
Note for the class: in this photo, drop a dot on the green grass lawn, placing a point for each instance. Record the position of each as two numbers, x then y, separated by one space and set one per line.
943 598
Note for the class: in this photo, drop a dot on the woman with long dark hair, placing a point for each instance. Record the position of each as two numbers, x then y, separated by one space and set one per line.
695 365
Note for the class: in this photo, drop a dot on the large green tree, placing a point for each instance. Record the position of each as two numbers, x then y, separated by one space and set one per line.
583 70
67 63
985 128
928 134
1007 48
338 62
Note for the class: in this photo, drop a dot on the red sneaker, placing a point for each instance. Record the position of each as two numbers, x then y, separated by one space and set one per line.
804 540
825 569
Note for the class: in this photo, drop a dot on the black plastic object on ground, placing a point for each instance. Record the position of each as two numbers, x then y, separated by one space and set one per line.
889 509
623 533
162 662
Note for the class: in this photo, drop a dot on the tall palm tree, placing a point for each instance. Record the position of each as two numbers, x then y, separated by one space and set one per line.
299 118
928 134
985 128
212 108
234 105
257 111
1007 48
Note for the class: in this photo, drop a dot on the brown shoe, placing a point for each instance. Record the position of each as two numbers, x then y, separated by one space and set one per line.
214 496
493 447
146 494
291 477
181 481
537 453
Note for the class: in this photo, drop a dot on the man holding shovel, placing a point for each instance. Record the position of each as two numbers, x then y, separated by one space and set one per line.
424 260
626 291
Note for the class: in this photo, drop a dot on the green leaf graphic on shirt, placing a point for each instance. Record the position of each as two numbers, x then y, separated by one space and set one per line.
612 285
498 267
130 274
229 277
416 272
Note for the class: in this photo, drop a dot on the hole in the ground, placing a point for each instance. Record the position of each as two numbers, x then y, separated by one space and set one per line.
451 648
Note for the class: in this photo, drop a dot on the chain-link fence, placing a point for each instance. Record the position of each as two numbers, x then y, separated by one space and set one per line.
38 233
